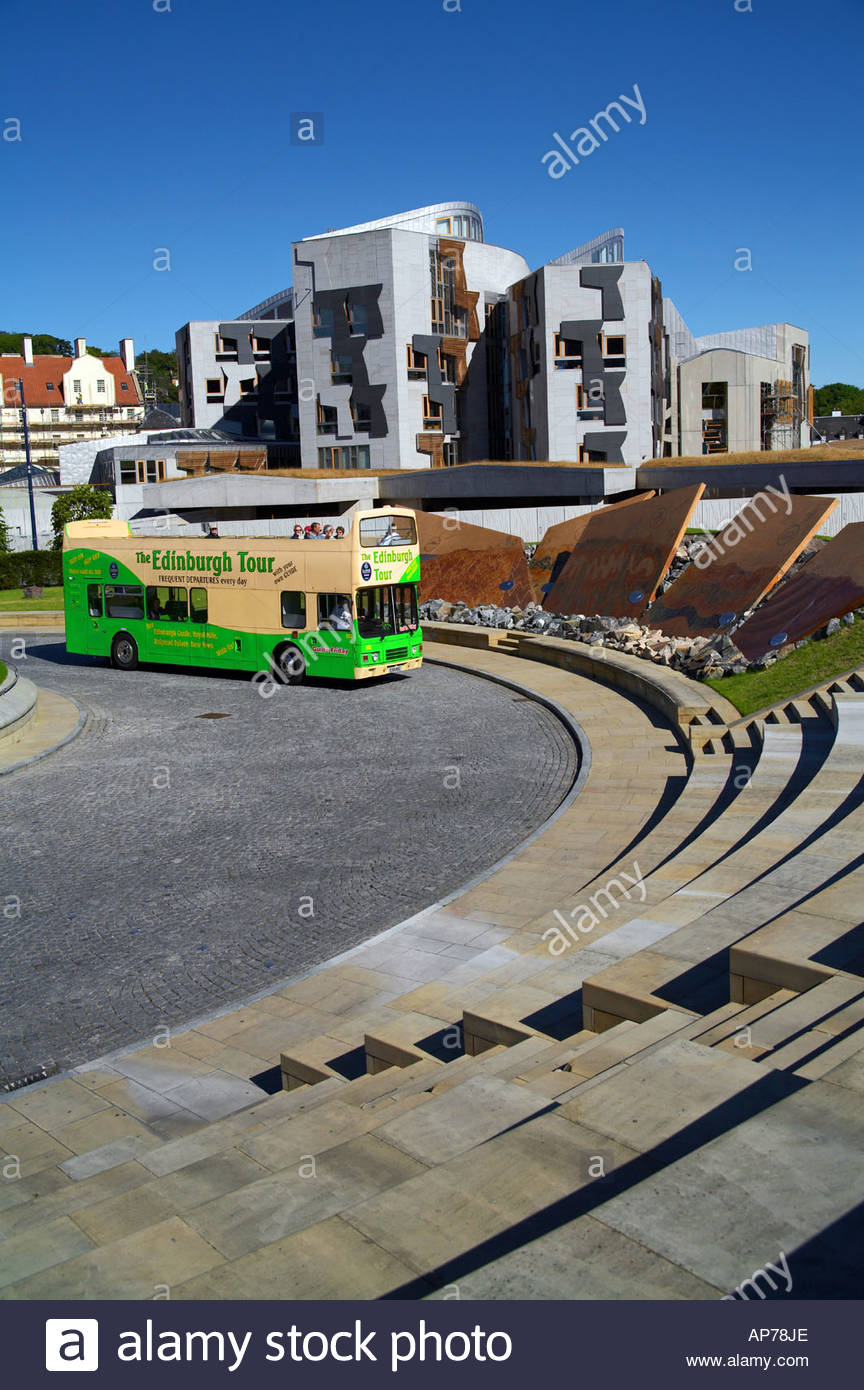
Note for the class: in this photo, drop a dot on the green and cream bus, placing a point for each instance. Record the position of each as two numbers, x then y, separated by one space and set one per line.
344 608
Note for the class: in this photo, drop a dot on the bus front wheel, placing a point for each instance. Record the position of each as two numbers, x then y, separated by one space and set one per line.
124 653
292 665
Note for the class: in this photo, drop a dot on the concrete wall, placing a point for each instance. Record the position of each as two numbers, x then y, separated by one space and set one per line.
15 505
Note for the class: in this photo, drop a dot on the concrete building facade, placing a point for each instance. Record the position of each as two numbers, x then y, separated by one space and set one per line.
412 342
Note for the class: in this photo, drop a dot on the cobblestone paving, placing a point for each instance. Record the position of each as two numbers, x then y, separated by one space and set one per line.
165 862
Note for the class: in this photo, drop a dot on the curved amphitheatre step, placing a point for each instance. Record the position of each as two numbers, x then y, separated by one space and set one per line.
812 840
388 1039
501 1018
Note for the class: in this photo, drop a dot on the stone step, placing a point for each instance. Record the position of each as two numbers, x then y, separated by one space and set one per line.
779 1030
396 1043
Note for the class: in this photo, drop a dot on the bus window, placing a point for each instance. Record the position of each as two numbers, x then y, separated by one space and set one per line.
374 618
166 604
334 611
293 608
405 607
387 530
198 605
94 601
124 601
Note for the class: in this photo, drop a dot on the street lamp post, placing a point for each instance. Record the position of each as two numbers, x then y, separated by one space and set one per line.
29 463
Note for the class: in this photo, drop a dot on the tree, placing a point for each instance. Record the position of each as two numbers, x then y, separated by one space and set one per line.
838 395
5 542
43 344
80 503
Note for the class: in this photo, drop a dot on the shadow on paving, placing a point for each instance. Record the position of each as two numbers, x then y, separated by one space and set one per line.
824 1276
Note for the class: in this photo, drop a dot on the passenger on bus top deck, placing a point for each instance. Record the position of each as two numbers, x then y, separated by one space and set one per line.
299 533
316 533
340 532
328 533
340 617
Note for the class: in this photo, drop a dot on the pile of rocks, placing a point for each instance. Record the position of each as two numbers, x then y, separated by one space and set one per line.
697 656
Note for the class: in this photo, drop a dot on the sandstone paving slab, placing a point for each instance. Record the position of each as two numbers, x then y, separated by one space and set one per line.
461 1119
284 1143
113 1155
656 1096
106 1127
477 1195
133 1267
772 1182
330 1260
584 1259
214 1096
51 1201
31 1251
53 1106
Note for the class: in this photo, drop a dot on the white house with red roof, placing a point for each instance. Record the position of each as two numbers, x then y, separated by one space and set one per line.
68 399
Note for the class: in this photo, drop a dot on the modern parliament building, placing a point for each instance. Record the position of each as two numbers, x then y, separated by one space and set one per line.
411 342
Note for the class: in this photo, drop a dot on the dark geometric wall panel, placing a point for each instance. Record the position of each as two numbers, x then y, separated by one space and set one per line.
829 585
605 278
746 560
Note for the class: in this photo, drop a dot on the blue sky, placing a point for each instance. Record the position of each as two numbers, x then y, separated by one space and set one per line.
147 128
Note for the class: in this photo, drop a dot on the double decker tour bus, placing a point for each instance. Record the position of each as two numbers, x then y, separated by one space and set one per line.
344 608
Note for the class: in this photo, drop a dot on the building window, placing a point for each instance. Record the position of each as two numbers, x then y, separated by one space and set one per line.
55 414
100 386
323 323
327 419
447 364
76 386
340 369
361 414
714 395
358 319
127 471
450 453
155 470
261 347
49 385
587 455
614 347
433 414
130 413
442 226
226 348
349 456
568 353
140 466
215 389
437 311
416 364
124 385
248 386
